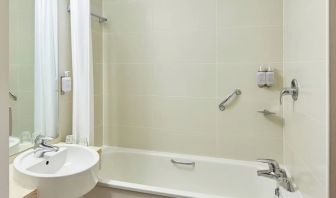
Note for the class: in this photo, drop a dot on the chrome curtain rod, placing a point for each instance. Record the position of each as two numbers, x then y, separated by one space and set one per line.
101 19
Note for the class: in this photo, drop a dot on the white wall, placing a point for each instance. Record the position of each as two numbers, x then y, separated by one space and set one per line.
169 63
306 121
4 62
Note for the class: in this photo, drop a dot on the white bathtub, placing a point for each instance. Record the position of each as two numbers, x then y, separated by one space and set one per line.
153 173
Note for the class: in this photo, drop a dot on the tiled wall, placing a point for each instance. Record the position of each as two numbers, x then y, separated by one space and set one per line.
306 121
169 63
97 44
64 53
21 69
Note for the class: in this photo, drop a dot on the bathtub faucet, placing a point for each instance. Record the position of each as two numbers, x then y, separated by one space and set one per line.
276 173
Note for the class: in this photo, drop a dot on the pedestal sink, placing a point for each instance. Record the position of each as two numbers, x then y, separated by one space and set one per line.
69 173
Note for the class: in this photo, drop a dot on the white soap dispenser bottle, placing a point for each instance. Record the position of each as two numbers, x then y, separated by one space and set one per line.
66 82
269 77
261 77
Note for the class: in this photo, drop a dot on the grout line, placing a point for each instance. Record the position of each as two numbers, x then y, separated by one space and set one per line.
152 28
193 62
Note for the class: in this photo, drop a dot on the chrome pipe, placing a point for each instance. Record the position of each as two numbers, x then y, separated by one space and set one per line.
236 92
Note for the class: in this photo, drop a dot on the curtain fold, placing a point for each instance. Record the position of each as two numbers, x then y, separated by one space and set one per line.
46 68
82 66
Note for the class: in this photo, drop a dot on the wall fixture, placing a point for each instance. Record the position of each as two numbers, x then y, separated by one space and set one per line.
66 83
265 77
13 96
266 112
235 92
293 91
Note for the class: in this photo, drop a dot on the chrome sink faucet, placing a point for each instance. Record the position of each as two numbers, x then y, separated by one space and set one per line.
276 173
41 146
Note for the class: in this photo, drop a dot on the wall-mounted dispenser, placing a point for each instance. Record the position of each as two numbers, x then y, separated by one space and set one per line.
66 85
265 77
269 77
261 77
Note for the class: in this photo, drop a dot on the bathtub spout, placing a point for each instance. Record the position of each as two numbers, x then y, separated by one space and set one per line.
267 173
276 173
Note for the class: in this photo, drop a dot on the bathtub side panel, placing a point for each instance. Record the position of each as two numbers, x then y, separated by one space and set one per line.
103 192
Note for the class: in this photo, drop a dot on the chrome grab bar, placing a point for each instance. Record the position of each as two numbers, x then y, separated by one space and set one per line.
235 92
13 96
182 163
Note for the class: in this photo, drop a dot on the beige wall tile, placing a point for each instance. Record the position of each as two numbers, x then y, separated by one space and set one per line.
135 79
255 147
98 79
185 79
250 45
194 115
132 110
64 54
306 120
305 37
156 139
98 116
184 15
197 46
128 15
127 48
167 65
240 13
97 47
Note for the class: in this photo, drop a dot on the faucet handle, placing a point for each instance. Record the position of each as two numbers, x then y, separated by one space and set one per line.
40 139
272 164
293 91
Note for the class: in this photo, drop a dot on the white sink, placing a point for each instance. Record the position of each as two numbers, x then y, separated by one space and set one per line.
71 172
14 143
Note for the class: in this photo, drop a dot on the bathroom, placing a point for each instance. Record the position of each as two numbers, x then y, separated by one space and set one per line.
168 98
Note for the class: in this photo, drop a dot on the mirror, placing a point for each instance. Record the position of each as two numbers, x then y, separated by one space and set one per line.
33 89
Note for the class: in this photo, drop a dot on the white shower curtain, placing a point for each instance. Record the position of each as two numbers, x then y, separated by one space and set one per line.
46 68
82 65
